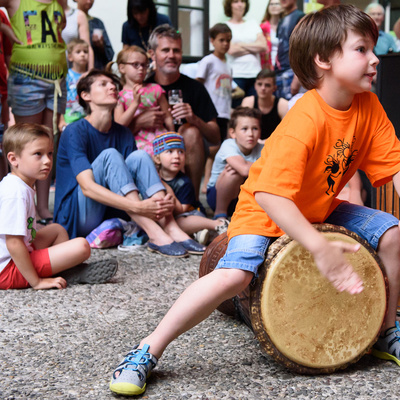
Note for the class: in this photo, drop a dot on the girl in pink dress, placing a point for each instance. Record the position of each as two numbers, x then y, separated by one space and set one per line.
135 96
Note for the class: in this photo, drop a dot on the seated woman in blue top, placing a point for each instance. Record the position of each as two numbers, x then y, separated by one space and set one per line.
100 171
142 19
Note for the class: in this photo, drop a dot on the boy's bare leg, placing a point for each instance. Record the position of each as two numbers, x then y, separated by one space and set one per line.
68 254
49 236
195 157
389 253
207 174
195 304
195 223
228 187
208 167
42 198
63 253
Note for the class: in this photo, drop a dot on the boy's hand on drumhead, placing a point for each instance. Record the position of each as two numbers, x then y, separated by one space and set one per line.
332 264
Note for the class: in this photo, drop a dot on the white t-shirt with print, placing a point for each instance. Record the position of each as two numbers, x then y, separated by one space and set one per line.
17 214
218 82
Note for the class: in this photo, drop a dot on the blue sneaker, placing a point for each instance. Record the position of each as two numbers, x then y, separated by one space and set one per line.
388 346
129 378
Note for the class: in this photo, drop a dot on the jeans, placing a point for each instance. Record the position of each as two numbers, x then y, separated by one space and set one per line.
111 171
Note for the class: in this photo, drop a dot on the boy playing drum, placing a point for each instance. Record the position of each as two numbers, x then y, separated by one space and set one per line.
337 127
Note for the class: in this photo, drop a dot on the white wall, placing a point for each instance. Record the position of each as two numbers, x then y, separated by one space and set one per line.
256 11
113 15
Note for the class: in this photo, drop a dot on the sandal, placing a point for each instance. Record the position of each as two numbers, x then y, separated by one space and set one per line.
45 221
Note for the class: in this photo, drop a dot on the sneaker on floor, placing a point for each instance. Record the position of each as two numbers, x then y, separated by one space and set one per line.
388 346
94 272
223 227
129 378
202 236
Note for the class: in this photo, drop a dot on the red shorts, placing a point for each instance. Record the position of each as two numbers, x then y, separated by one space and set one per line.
11 278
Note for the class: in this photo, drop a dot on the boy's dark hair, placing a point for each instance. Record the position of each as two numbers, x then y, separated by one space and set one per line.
161 31
75 42
218 29
266 73
228 7
86 82
244 112
135 6
323 33
17 136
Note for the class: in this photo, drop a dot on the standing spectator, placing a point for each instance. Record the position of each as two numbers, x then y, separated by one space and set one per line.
386 43
216 75
38 67
142 19
273 108
396 29
103 51
197 112
5 54
78 54
77 27
269 26
287 84
248 42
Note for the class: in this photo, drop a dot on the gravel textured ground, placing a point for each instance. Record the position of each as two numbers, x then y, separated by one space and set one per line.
65 344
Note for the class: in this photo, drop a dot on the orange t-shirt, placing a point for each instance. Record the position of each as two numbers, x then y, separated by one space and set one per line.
310 157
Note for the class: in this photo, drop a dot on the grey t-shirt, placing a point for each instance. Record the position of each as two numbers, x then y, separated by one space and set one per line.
229 148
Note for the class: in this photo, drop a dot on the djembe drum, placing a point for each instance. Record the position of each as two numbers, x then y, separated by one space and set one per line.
298 317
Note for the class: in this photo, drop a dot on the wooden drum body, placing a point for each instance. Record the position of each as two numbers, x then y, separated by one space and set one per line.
387 199
297 315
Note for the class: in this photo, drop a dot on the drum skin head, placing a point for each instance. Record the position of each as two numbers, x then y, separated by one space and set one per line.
302 321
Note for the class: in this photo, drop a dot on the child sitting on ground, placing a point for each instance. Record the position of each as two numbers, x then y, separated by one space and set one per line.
78 55
331 52
135 96
29 257
169 157
233 161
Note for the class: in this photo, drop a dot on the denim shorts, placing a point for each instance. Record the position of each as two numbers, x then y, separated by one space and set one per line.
30 96
368 223
195 212
247 252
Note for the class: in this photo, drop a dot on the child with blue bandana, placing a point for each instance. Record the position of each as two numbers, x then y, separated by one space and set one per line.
169 157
